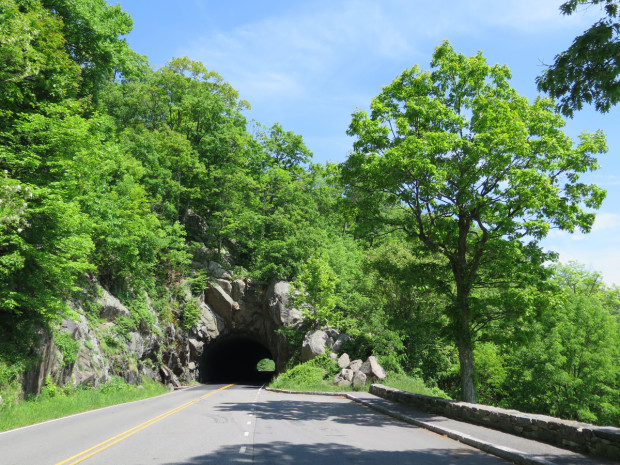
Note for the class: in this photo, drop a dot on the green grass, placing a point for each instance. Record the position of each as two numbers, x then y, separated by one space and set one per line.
56 402
266 364
314 376
411 384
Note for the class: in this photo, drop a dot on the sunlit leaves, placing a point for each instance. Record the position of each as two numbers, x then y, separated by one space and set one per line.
474 170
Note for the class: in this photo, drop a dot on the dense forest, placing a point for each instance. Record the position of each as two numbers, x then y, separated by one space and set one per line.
423 245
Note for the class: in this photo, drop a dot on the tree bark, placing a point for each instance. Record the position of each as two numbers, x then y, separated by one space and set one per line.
466 359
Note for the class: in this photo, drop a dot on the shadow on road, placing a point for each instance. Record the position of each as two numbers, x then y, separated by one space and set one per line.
300 410
330 453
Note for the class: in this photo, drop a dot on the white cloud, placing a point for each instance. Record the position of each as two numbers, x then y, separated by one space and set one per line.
307 42
312 43
531 15
606 221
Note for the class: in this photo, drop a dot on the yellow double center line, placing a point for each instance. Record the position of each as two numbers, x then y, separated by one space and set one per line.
130 432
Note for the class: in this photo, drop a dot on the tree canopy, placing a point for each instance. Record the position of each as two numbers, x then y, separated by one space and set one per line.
423 246
476 174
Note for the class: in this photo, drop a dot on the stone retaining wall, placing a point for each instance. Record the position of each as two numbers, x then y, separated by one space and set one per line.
603 441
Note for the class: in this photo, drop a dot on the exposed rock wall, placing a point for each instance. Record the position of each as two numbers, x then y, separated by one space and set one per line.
163 351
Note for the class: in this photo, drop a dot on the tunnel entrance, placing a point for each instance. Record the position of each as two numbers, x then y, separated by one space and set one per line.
235 359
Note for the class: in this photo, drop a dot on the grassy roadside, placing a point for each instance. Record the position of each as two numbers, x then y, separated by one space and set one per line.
317 374
55 402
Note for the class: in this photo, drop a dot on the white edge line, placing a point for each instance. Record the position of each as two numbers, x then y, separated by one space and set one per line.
20 428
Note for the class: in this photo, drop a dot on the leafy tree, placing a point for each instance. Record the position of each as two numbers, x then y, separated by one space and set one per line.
185 121
284 149
568 365
92 31
404 304
589 70
476 174
34 66
315 292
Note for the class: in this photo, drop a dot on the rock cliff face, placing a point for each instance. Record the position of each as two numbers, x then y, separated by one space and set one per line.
229 308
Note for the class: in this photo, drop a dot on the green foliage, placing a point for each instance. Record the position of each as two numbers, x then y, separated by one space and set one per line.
490 367
569 368
68 346
314 375
35 65
57 402
300 377
191 314
563 361
199 282
412 384
116 173
92 30
588 71
314 292
123 326
266 364
467 167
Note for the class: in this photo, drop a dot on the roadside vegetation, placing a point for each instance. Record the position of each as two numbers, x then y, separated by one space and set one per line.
317 374
56 402
424 245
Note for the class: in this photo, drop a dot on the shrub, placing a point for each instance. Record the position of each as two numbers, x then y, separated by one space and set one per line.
266 364
68 346
191 314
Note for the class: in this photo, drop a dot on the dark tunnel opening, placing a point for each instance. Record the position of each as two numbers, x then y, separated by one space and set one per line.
234 359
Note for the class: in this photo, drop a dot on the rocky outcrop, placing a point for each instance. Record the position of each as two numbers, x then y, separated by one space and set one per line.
315 344
344 378
321 341
278 304
356 372
161 350
111 307
221 302
372 369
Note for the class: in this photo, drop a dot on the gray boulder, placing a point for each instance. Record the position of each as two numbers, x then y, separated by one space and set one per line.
278 304
313 345
196 348
132 377
372 369
218 271
209 324
111 307
343 361
359 379
342 339
168 377
226 285
344 378
238 289
221 302
355 365
135 345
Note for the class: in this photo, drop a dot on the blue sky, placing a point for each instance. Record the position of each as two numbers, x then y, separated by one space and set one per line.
309 64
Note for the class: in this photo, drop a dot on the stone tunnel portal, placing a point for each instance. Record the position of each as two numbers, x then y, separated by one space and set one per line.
234 359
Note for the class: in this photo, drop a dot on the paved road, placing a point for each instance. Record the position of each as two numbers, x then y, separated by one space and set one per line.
238 425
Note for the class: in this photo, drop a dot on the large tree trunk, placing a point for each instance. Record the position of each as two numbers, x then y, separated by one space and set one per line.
466 359
464 342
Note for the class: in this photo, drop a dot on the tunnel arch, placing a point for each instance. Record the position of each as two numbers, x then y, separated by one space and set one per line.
233 359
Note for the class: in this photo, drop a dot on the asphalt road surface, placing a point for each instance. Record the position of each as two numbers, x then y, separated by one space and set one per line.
218 424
